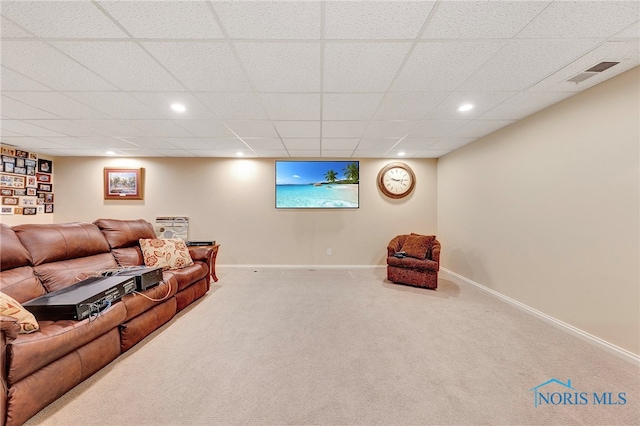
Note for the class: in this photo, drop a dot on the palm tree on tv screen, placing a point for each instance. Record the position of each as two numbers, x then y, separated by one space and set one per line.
351 172
331 176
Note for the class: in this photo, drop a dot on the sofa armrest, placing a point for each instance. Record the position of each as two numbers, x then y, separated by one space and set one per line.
395 245
202 253
435 252
9 329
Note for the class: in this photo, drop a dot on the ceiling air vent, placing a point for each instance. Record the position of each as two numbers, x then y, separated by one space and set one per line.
594 70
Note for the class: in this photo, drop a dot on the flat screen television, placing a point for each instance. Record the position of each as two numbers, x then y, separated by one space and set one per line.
317 184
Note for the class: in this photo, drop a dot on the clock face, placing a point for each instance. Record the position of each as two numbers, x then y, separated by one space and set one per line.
396 180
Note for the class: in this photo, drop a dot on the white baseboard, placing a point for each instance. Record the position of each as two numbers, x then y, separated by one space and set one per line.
603 344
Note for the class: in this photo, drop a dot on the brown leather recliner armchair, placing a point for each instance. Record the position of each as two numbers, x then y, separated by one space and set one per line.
414 260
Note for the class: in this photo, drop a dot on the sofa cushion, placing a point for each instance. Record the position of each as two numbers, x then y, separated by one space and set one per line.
30 352
21 283
128 256
57 275
189 275
12 308
418 246
166 253
13 253
412 263
52 243
125 233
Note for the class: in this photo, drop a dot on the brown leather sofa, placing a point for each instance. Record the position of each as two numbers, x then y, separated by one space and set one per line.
39 367
420 263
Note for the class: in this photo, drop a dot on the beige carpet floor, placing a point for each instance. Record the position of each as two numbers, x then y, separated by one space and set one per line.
345 347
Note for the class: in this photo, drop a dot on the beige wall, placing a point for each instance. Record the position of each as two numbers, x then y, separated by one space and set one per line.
233 202
546 211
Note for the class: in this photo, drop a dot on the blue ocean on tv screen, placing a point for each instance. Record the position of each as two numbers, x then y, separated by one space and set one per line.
310 196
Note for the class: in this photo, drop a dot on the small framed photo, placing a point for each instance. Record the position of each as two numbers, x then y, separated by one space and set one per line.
45 166
8 151
123 184
48 198
40 209
45 187
29 210
19 192
6 210
20 170
31 182
8 159
42 177
17 210
21 154
8 167
48 208
6 192
31 192
10 201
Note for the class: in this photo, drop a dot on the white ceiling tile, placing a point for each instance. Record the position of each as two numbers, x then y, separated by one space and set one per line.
167 19
632 31
481 101
443 66
116 128
173 153
298 129
58 104
479 128
26 128
264 144
9 29
389 129
376 144
451 143
522 63
362 67
226 143
524 104
343 129
206 128
105 143
253 128
481 19
80 19
18 110
49 66
124 64
408 105
579 19
160 103
292 106
119 105
282 67
301 144
162 128
350 106
370 153
201 66
336 153
625 52
30 143
338 144
195 143
376 19
12 81
4 134
66 127
233 105
221 153
436 128
270 20
415 143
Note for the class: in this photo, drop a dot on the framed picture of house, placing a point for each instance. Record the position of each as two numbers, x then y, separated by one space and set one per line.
123 184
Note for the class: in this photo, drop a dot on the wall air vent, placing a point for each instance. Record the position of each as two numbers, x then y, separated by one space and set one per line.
594 70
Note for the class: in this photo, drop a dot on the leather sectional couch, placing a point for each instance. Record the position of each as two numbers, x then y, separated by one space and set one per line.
39 367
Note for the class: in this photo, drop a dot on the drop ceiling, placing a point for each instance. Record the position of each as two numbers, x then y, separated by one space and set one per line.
348 79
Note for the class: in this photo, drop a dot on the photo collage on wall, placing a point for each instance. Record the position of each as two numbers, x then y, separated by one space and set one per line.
26 186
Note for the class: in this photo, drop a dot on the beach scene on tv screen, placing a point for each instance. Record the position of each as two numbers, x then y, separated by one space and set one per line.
317 184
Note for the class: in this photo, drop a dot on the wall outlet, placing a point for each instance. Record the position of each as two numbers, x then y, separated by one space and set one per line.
328 252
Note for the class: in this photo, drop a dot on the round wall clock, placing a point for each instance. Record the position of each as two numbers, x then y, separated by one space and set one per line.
396 180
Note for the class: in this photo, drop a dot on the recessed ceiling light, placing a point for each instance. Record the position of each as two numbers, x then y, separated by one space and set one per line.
465 107
110 153
240 154
178 107
402 153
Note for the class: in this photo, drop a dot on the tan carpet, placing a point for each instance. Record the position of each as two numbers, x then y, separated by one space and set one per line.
344 347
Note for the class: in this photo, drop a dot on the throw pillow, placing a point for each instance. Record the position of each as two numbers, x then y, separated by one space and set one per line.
417 246
12 308
166 253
